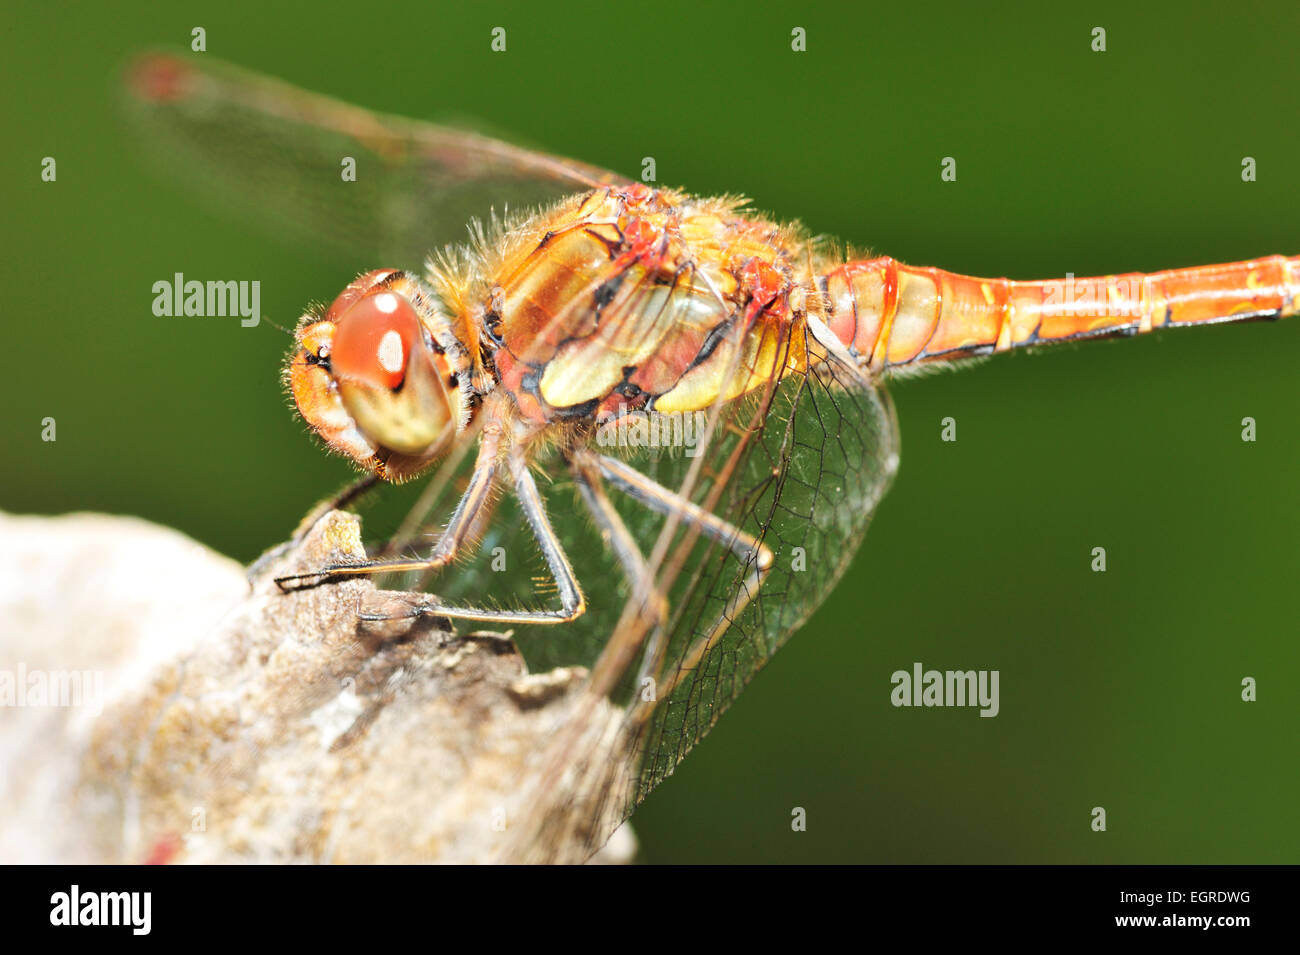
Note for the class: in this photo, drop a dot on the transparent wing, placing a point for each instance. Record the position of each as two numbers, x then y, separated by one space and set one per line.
800 467
275 154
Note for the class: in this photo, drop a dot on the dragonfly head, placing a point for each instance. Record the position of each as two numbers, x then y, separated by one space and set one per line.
378 375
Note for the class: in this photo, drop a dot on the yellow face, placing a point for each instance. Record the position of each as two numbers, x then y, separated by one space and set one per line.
373 376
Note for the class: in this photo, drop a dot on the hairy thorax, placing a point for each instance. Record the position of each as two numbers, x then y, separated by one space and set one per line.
637 299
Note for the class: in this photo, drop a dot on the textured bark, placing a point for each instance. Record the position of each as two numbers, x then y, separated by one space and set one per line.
240 724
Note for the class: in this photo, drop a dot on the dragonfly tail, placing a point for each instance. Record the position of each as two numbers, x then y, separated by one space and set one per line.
889 314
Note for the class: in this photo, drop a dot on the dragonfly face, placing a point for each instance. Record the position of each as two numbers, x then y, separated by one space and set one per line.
381 375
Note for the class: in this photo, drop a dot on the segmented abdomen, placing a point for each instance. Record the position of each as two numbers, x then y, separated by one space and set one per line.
890 314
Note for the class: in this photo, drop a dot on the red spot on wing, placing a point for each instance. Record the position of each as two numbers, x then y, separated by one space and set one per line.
159 78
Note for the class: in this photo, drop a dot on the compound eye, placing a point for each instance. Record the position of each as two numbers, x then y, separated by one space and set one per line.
374 338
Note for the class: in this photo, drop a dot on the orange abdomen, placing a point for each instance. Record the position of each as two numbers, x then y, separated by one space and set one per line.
890 314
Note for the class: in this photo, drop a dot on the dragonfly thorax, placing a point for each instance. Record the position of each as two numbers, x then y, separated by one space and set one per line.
618 301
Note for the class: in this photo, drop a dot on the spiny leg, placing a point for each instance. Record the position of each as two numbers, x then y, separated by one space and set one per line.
649 604
471 504
339 501
745 546
572 604
342 499
585 468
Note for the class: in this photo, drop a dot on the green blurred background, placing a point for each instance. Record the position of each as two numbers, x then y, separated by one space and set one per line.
1118 690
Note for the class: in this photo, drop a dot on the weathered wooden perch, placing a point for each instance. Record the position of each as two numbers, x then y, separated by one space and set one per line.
240 724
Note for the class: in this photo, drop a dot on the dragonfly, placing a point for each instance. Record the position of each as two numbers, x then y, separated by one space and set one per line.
700 388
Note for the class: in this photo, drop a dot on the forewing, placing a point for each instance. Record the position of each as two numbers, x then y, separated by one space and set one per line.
276 154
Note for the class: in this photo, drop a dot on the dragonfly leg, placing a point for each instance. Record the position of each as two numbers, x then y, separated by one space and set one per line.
472 502
745 546
340 500
585 468
572 604
658 498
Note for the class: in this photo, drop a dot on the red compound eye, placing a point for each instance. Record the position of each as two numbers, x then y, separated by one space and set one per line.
373 339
